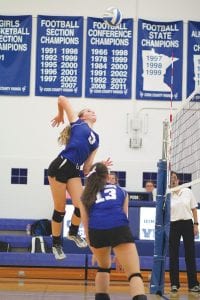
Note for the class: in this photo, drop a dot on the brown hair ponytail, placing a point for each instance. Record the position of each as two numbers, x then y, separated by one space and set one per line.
96 180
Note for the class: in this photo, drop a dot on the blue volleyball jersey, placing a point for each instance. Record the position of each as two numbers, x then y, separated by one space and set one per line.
83 140
107 211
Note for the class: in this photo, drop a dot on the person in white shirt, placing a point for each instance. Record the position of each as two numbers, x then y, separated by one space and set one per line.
183 222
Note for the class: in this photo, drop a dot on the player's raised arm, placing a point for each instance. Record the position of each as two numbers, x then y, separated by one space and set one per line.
64 104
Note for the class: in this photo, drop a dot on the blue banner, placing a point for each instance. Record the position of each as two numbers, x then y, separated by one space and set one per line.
159 60
59 56
109 59
15 51
193 60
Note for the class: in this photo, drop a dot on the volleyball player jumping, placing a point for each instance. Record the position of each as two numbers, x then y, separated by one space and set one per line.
64 172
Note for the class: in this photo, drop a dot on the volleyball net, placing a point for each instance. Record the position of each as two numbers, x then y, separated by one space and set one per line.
180 153
184 144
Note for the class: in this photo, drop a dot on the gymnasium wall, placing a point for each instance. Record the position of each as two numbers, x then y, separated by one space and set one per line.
29 141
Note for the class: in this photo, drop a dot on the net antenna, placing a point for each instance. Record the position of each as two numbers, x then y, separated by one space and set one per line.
166 147
183 154
167 126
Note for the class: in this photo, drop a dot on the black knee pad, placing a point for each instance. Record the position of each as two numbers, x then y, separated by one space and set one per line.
58 216
102 296
140 297
103 270
135 275
77 212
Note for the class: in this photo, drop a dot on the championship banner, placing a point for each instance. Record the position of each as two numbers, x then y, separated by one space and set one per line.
15 51
59 56
109 59
193 60
159 60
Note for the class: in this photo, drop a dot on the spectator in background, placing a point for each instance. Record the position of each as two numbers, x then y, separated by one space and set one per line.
150 188
183 222
113 179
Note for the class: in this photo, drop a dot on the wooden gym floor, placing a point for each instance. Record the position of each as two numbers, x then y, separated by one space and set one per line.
62 284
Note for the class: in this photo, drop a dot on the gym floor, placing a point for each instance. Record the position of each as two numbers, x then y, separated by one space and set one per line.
41 289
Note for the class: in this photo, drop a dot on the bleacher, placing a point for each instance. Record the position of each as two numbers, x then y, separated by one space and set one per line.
13 231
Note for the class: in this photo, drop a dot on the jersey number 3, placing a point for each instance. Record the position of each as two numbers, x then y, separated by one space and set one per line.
92 138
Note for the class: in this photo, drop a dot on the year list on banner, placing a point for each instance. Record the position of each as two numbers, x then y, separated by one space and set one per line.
109 59
59 56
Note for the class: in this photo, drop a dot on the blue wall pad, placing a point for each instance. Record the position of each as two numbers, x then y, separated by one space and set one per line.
135 203
41 260
134 221
15 224
145 247
24 241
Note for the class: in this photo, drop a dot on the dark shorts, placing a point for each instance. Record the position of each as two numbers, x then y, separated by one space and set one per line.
110 237
62 169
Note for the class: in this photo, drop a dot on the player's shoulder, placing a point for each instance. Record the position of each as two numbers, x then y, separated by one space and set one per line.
121 190
77 122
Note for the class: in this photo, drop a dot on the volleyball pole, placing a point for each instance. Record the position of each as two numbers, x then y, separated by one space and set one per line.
162 224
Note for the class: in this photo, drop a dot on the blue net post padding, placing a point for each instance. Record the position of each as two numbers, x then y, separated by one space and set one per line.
161 231
157 275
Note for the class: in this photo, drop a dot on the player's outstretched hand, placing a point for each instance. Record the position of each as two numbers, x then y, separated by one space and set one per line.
108 162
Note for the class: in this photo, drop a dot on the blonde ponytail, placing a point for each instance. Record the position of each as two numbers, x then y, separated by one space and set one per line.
64 136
